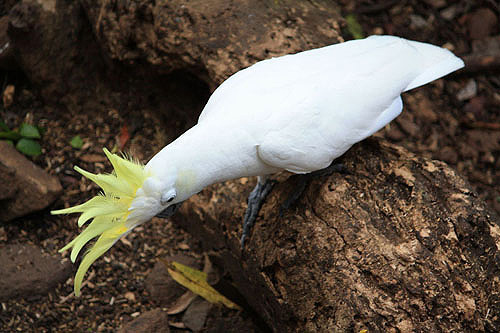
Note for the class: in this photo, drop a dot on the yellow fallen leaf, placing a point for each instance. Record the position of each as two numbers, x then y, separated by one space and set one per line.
196 281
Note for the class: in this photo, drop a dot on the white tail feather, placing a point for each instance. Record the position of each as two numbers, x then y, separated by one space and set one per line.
438 62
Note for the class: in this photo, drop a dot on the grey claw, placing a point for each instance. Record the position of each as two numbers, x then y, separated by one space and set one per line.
255 201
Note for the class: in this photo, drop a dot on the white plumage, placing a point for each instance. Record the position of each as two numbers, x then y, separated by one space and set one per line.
297 113
300 112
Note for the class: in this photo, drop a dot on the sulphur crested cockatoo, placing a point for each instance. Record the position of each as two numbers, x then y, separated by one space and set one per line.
297 113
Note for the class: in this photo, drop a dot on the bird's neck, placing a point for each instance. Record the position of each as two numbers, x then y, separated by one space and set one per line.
205 155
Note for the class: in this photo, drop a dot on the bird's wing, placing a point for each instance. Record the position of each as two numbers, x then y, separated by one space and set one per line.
271 75
407 63
304 110
296 148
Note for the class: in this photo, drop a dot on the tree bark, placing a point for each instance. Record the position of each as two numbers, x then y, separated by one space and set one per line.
58 44
212 37
399 244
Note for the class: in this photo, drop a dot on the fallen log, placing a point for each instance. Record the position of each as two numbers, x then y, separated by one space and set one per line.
399 244
212 38
158 55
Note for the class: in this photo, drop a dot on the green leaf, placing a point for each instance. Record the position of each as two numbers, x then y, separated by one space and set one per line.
76 142
42 130
29 131
354 27
10 135
29 147
4 127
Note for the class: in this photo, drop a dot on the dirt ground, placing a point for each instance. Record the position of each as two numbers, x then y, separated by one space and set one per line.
443 120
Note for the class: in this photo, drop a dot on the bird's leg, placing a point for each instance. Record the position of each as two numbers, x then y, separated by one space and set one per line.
169 211
304 180
255 201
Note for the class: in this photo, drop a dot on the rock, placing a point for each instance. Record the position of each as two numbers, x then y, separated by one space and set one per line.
467 92
152 321
449 13
482 23
29 188
196 314
385 247
163 289
417 22
26 271
7 181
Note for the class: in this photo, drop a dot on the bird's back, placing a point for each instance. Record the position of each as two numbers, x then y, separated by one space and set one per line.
306 109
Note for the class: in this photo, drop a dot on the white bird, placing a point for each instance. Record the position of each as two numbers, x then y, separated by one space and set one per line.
297 113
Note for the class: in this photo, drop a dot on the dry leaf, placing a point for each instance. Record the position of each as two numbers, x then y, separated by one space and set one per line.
8 95
196 281
176 325
123 137
182 303
183 246
130 296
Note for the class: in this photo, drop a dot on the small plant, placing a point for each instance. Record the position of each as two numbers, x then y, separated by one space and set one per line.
76 142
24 138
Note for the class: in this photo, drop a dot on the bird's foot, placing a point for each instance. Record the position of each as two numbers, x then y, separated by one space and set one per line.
304 180
169 211
334 167
255 201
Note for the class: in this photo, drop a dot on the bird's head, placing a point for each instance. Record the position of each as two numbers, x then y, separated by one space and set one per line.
131 195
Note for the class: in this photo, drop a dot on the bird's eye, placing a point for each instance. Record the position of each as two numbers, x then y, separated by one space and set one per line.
168 197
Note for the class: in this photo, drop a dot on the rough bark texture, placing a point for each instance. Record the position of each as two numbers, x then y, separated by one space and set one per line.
400 243
218 36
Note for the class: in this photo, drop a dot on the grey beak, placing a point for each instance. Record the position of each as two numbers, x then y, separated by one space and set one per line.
169 211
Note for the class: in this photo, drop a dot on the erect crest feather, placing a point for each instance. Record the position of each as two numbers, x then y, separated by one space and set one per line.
109 211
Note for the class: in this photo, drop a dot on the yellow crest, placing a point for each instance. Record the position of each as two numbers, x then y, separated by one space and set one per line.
109 211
